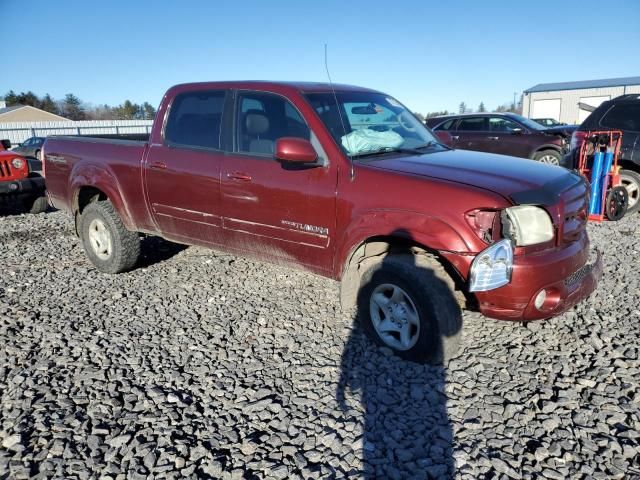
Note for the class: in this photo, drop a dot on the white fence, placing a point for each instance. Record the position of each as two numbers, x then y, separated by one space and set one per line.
18 132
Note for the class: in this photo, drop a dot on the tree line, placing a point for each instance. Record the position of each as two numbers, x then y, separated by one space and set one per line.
73 108
463 108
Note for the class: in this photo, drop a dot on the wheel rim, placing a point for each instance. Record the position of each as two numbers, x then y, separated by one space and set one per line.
100 239
632 188
550 159
394 316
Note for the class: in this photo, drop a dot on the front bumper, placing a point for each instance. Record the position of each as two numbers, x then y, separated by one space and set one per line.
568 275
31 186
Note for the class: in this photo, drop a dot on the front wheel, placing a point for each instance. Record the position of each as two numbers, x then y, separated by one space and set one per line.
630 180
550 157
409 306
106 241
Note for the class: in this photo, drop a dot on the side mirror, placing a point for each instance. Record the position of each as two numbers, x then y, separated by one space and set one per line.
516 131
6 144
444 137
295 150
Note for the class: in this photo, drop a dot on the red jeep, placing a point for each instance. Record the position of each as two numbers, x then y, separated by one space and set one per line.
346 183
19 183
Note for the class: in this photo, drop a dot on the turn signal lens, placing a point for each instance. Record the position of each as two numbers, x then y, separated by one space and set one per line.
492 267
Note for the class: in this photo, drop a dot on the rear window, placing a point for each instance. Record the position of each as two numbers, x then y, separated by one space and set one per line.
195 119
472 124
623 117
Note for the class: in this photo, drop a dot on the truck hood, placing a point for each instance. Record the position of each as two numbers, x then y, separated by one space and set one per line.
519 180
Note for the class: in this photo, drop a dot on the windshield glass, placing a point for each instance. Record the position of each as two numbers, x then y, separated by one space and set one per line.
527 122
374 122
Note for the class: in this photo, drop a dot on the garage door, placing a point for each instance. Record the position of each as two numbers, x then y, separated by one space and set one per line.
588 105
546 109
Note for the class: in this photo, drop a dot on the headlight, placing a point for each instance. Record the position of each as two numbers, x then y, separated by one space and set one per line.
527 225
17 163
492 267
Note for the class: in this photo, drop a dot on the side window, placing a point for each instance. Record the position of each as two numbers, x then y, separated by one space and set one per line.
472 124
195 119
501 124
264 118
448 125
623 117
28 142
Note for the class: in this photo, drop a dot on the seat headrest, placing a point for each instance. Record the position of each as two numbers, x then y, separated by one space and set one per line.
256 123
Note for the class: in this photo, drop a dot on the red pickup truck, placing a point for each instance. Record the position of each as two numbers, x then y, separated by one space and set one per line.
347 183
19 182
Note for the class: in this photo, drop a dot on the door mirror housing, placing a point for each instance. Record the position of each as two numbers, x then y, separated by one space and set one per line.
6 144
295 150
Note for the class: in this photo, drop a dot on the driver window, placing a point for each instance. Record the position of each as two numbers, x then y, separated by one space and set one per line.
500 124
264 118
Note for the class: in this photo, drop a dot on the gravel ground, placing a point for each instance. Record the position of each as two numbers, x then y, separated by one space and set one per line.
201 364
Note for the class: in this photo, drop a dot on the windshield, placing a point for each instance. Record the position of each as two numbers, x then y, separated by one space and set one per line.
373 122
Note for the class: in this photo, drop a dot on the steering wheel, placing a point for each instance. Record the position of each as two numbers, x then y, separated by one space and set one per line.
401 121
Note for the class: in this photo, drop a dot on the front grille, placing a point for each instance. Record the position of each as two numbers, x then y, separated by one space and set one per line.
5 169
576 207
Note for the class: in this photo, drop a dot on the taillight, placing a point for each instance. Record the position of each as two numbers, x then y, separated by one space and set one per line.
577 139
484 223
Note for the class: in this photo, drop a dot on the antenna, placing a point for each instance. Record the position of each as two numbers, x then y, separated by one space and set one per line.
352 172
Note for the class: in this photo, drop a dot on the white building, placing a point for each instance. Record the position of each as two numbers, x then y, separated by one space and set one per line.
571 102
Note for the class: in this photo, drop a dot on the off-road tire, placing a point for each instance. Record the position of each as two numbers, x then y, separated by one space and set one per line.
35 205
431 290
125 244
543 154
629 176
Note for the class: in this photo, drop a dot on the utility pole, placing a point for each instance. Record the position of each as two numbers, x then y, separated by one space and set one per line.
514 101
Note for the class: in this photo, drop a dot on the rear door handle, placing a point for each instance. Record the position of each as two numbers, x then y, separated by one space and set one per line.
243 177
455 137
493 138
158 165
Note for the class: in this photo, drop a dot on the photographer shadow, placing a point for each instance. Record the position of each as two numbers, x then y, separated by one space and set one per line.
406 432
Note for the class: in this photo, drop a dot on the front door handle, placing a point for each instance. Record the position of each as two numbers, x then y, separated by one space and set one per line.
158 165
243 177
455 137
494 138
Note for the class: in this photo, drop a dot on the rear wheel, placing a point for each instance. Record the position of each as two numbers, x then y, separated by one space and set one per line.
630 180
106 241
548 156
408 305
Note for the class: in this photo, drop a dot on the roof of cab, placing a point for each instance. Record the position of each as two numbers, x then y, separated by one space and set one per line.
304 87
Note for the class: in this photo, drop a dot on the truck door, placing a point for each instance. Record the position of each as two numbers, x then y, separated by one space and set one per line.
274 211
182 174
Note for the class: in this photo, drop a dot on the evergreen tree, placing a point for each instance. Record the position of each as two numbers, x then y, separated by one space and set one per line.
72 107
48 104
149 112
481 107
11 98
462 108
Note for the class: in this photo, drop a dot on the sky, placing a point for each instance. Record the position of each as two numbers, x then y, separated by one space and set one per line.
429 55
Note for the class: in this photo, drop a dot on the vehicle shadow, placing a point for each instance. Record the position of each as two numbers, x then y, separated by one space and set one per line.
406 432
156 249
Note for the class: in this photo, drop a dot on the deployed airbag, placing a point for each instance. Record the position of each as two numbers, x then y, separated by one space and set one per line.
367 140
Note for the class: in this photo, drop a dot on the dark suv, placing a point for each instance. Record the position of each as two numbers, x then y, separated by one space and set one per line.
621 113
504 133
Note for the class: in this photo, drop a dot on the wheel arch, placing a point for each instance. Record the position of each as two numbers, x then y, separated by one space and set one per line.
377 247
542 148
92 183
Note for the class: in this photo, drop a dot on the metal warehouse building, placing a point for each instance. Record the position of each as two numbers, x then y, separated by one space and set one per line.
571 102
